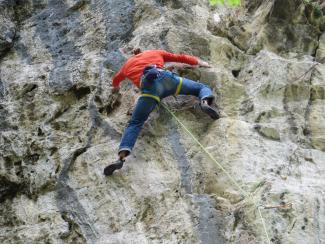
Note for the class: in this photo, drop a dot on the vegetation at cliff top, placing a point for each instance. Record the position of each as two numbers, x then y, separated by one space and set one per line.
228 2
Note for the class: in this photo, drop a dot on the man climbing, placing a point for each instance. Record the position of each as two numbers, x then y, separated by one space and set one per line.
145 70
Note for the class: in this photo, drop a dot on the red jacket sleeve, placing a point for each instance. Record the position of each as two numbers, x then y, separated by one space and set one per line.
117 78
181 58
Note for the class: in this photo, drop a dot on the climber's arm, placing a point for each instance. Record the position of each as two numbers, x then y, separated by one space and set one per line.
117 78
183 58
180 58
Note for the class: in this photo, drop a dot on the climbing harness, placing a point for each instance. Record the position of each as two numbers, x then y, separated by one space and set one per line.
246 194
178 89
152 96
157 98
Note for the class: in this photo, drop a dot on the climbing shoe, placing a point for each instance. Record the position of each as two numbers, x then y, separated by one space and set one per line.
212 112
111 168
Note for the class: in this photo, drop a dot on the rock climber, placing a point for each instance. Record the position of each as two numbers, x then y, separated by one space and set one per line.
146 71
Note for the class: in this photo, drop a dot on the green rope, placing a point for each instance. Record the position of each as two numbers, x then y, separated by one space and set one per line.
263 222
247 195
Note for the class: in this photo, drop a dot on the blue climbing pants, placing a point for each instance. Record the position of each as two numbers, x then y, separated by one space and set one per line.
165 85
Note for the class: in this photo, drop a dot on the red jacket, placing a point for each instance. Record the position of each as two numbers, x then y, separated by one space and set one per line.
134 66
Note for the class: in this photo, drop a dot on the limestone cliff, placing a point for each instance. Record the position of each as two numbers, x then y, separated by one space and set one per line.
60 124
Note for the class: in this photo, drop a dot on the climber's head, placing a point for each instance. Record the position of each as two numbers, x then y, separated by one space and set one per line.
136 51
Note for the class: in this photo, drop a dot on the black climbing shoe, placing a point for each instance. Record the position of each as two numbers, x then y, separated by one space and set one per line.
212 112
111 168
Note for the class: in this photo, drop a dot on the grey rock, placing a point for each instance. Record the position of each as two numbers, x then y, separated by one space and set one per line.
7 26
60 124
320 54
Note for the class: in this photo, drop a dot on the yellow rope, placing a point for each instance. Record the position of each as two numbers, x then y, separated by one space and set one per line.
247 195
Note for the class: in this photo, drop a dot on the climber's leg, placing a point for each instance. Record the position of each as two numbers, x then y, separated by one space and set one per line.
195 88
140 114
203 92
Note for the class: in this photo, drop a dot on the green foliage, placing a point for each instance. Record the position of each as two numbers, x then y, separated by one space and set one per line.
317 11
222 2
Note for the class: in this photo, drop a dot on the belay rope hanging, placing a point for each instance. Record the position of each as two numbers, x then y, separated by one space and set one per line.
246 194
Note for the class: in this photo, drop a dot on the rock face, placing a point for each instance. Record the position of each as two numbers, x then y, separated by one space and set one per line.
60 124
7 25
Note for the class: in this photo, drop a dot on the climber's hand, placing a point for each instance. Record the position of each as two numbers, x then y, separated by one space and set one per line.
204 64
115 90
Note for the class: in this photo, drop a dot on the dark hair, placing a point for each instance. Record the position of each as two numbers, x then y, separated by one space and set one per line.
136 51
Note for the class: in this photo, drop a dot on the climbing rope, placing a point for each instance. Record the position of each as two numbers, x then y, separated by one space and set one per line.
246 194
